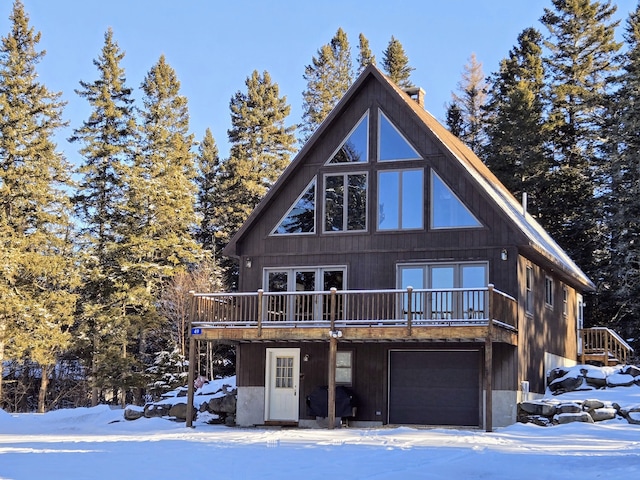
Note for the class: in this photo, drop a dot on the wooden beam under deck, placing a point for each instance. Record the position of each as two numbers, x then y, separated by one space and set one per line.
359 334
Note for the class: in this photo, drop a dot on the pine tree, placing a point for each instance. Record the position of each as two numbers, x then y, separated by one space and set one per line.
155 238
365 56
261 148
37 277
396 64
515 149
208 179
581 63
108 138
469 102
328 78
624 196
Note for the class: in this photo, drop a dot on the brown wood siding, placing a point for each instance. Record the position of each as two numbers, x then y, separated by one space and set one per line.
371 256
545 329
370 369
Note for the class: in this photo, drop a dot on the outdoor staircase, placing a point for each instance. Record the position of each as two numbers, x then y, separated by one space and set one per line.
602 346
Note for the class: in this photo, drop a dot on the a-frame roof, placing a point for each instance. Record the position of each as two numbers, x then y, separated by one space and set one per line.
539 243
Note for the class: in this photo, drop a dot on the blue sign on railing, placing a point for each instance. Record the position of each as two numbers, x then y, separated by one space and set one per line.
196 331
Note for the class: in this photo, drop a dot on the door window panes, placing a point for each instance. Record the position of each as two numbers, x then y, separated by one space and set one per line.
284 372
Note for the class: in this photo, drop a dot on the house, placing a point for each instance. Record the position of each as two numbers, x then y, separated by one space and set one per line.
388 260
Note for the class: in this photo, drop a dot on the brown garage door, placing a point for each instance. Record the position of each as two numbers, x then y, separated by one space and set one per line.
434 387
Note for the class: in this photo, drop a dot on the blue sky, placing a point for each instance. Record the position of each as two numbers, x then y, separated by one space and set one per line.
215 45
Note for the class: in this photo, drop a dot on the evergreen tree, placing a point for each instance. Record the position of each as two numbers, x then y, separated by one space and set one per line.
396 64
469 102
365 56
581 63
208 180
261 148
108 139
515 149
155 239
37 278
624 196
328 78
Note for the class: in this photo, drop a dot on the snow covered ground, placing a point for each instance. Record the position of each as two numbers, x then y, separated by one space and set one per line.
97 443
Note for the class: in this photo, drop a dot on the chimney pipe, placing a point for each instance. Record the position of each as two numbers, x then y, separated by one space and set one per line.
417 94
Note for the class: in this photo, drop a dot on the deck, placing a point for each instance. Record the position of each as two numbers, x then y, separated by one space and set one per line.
356 315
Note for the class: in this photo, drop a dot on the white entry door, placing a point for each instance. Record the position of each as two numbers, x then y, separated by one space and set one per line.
282 384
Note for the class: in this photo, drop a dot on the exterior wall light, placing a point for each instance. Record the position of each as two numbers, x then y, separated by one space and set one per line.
247 262
503 254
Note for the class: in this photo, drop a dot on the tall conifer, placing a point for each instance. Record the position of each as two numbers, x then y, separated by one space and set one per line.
365 56
328 78
108 140
623 273
396 64
466 107
261 148
515 149
37 273
581 64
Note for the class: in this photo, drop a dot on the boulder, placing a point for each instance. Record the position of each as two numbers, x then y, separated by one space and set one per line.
544 409
592 404
179 411
133 413
632 370
153 410
565 418
620 380
569 408
600 414
566 384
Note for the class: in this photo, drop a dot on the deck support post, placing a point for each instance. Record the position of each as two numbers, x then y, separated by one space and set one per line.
488 366
192 365
333 348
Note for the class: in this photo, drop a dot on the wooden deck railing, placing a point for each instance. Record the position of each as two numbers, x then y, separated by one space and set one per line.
365 308
605 346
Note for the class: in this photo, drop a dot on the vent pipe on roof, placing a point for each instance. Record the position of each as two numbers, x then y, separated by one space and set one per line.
524 204
417 94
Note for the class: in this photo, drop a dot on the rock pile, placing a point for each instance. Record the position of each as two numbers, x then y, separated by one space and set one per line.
215 401
549 411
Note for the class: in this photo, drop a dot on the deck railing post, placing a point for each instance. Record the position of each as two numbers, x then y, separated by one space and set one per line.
409 309
260 296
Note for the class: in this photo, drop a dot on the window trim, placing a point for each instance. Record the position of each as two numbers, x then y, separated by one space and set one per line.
345 204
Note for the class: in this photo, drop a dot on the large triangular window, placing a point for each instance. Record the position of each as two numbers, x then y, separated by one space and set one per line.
391 143
354 149
301 217
447 210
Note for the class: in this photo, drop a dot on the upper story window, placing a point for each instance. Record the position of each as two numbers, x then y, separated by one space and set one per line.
345 202
528 299
447 210
548 291
400 199
355 148
301 217
565 301
391 143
